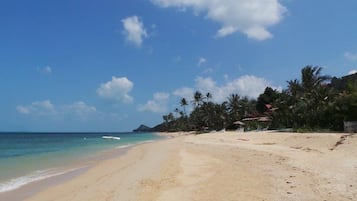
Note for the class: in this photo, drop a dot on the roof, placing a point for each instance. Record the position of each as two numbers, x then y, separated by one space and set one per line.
261 119
238 123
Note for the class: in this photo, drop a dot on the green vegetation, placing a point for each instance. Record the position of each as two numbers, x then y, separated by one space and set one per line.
315 102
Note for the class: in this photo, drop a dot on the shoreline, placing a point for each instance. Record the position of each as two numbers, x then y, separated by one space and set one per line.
221 166
105 168
65 173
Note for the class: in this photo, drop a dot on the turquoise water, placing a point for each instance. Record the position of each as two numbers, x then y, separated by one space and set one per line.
29 157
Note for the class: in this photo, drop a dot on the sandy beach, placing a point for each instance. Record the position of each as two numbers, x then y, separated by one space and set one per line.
222 166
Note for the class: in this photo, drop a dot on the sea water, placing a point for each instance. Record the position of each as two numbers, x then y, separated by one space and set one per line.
30 157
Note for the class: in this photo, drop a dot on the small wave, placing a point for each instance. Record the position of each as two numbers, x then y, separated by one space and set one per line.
146 141
35 176
124 146
134 144
110 137
137 143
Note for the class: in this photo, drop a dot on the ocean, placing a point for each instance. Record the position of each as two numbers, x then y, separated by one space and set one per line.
30 157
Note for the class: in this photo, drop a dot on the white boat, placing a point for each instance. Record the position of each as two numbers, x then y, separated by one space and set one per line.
110 137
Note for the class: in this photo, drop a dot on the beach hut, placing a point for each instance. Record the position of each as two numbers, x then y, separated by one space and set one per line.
240 125
264 122
264 119
257 123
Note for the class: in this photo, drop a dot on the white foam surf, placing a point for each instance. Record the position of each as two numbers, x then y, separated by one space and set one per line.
38 175
110 137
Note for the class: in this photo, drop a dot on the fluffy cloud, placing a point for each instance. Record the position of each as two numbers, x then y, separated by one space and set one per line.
251 17
250 86
184 92
46 108
157 105
77 110
247 85
117 90
134 30
37 108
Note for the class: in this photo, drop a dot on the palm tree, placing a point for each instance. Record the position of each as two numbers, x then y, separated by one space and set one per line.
170 117
183 104
247 107
222 115
268 97
311 78
294 87
234 107
197 99
308 97
233 102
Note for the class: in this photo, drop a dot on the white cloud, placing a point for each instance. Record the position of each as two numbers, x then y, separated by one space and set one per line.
352 72
201 61
37 108
247 85
184 92
117 90
157 105
206 84
46 108
134 30
251 17
351 56
23 109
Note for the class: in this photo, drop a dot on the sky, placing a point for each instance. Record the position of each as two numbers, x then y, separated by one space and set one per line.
91 65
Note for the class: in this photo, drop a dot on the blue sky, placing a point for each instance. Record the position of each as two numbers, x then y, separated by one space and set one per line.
112 65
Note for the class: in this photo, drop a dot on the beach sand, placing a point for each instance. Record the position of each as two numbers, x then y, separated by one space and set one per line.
222 166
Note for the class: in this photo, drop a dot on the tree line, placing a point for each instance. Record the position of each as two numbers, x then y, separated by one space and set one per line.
313 102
